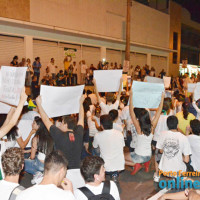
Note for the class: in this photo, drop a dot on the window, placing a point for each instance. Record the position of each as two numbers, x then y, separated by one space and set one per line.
174 58
175 41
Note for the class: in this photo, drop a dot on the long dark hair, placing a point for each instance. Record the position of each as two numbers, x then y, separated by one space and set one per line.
13 133
45 142
145 122
185 107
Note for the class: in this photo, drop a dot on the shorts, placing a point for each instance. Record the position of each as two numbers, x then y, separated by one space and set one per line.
139 159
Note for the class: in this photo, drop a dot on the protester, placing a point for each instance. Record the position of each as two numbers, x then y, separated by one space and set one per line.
55 169
12 163
14 62
93 172
36 67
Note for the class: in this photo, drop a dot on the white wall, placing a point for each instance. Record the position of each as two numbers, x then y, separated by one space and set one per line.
105 18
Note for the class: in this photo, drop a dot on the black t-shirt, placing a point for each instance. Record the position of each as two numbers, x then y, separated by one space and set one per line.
71 149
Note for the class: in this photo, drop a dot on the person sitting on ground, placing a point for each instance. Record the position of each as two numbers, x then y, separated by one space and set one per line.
12 163
174 147
114 115
93 172
194 140
111 144
42 145
61 78
145 128
9 124
68 138
184 117
55 170
105 108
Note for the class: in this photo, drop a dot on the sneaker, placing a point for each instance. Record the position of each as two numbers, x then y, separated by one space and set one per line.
37 178
156 178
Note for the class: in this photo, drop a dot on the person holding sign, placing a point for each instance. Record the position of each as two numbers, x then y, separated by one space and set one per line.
68 138
8 124
105 108
145 128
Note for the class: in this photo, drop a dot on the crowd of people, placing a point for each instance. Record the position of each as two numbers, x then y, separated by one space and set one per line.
81 156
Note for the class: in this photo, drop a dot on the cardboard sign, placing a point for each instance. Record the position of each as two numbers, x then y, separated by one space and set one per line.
59 101
147 95
107 80
12 80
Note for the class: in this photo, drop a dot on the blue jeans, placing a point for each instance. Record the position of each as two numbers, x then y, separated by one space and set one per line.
33 166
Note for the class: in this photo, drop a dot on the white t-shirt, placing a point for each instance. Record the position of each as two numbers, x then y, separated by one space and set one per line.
91 124
75 69
6 188
111 144
174 145
197 110
52 68
105 108
143 145
194 141
160 127
83 69
118 127
97 190
125 115
41 192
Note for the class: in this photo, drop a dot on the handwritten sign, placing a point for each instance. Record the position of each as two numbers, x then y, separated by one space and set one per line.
59 101
12 81
107 80
147 95
197 92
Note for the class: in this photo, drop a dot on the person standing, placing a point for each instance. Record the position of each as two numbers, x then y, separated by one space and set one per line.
14 62
29 73
67 62
36 67
83 70
52 68
75 72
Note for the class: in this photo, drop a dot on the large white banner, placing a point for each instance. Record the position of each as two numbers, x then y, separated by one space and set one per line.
59 101
197 92
107 80
151 79
147 95
12 81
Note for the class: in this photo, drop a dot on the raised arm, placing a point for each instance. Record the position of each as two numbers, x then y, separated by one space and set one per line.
157 115
96 91
81 112
120 89
12 122
132 114
47 122
9 116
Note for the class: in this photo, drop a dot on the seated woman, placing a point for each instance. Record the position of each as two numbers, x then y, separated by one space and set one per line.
145 128
42 145
14 136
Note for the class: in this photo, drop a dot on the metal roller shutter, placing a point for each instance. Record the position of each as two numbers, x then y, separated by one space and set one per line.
140 59
91 55
114 56
45 50
159 63
9 47
132 59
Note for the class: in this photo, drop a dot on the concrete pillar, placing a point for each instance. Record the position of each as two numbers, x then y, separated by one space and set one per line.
103 53
149 60
28 46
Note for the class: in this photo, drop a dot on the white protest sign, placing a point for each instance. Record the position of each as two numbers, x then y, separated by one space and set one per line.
4 108
147 95
197 92
151 79
12 81
107 80
59 101
191 87
167 81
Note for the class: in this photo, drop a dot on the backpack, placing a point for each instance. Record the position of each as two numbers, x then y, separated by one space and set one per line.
105 194
16 192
